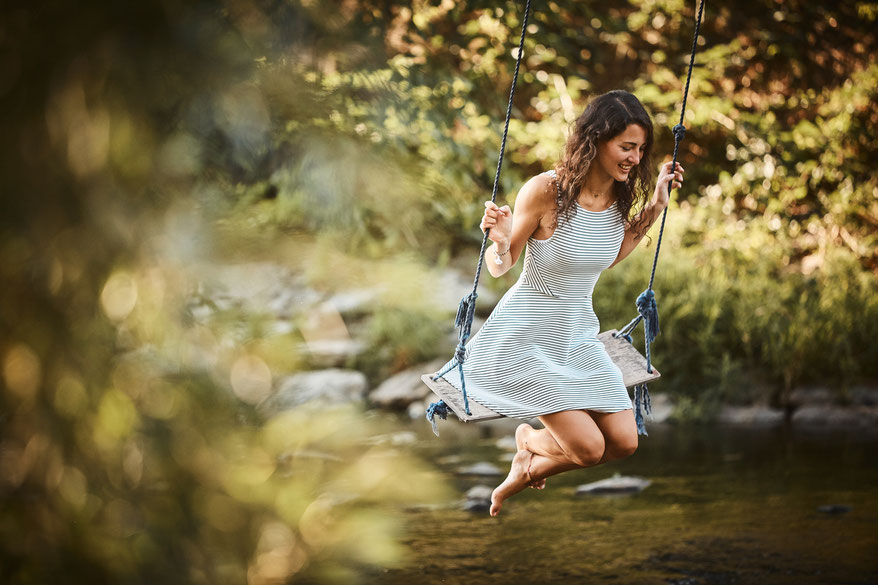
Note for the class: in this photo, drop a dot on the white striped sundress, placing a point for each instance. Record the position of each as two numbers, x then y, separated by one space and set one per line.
538 352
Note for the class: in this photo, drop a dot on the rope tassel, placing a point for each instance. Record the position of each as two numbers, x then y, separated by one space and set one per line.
642 405
648 309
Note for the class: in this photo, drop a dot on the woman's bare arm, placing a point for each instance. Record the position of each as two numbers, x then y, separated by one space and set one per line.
510 230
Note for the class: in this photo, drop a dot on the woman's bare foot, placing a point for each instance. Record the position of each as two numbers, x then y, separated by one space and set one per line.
521 434
517 480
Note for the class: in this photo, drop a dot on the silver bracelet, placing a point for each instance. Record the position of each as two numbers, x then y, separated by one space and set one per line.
498 257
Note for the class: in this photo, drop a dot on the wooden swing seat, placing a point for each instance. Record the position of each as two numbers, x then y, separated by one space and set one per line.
624 355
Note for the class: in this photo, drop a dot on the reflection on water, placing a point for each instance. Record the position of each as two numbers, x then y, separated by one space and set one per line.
725 506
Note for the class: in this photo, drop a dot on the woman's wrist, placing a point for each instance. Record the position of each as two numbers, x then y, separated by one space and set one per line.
500 253
501 246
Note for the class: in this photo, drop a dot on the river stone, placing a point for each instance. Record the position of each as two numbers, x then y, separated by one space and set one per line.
810 396
259 287
354 301
478 499
324 387
404 388
418 409
482 468
854 417
452 285
661 408
834 509
864 396
751 415
333 352
617 484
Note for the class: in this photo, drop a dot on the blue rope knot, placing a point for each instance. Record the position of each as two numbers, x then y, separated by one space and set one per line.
648 309
435 409
679 132
460 353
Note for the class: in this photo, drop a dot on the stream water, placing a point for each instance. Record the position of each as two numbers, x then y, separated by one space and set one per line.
726 506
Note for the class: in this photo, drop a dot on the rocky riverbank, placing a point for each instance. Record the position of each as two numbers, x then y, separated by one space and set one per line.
329 331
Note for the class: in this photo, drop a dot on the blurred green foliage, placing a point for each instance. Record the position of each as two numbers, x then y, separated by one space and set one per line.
356 142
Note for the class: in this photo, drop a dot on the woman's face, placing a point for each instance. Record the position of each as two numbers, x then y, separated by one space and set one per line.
618 156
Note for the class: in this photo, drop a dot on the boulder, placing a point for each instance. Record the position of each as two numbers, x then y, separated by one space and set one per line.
417 410
404 388
751 415
320 388
864 396
451 285
354 301
478 499
258 287
662 407
482 468
836 417
617 484
332 352
812 395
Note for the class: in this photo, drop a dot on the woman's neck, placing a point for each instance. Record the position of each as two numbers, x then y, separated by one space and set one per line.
597 192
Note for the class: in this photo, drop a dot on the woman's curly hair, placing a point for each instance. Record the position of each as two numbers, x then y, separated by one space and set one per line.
606 117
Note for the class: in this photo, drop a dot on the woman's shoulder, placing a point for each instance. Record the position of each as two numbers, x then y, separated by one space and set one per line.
540 190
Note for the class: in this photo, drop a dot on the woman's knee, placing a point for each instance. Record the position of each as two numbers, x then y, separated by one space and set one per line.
586 452
621 447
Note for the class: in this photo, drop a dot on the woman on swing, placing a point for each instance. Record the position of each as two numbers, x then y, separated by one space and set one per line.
538 353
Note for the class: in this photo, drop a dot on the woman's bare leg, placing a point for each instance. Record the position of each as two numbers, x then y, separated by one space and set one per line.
572 439
580 441
620 433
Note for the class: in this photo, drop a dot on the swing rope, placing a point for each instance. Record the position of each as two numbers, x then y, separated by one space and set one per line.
646 303
467 308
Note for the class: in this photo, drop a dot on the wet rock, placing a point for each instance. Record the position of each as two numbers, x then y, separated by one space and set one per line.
418 409
280 328
854 417
258 287
864 396
354 302
751 415
452 285
398 439
404 388
478 499
834 509
812 395
333 352
662 408
617 484
482 468
323 387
